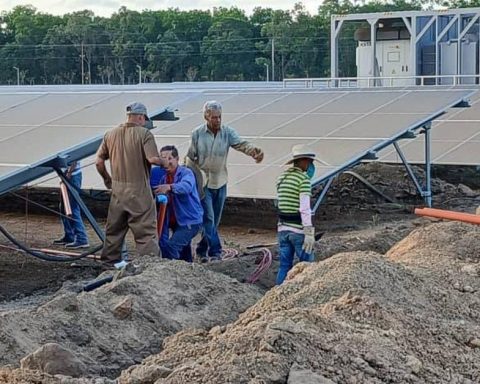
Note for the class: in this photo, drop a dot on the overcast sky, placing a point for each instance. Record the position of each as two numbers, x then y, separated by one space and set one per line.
107 7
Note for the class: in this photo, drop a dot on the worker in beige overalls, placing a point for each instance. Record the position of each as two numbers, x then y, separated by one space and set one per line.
131 149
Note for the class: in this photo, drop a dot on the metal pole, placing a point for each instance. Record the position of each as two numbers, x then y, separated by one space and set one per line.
373 46
83 69
428 184
139 74
273 59
268 69
18 75
322 194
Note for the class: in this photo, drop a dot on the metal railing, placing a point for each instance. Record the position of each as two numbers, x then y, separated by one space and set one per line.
382 81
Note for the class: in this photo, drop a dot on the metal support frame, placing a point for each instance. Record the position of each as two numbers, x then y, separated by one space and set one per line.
424 127
320 198
335 28
410 19
76 196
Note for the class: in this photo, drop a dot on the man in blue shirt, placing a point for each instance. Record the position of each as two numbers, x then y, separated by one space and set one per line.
184 214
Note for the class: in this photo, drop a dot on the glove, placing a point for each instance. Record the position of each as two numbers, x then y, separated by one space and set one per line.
309 239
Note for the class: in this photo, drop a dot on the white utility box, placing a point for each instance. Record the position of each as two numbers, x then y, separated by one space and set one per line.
468 61
392 62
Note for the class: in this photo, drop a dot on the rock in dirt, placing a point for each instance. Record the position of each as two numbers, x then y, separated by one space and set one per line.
474 342
123 309
299 375
54 359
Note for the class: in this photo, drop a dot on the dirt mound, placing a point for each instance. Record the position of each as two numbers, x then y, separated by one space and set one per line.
119 324
21 376
354 318
439 245
377 238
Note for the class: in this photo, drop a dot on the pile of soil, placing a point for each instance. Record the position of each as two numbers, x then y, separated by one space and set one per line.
356 317
392 298
122 322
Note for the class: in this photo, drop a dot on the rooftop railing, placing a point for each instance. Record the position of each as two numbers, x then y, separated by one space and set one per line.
382 81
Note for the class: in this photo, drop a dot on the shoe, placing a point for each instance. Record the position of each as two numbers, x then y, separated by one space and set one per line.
76 245
203 259
114 264
63 240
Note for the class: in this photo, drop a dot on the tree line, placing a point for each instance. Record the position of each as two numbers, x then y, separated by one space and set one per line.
223 44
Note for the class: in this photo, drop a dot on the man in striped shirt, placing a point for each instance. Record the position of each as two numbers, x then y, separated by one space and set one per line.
296 234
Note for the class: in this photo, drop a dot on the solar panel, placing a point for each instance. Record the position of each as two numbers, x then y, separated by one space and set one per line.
455 138
339 125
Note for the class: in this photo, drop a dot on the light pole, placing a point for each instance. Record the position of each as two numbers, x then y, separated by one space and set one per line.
139 74
268 69
18 75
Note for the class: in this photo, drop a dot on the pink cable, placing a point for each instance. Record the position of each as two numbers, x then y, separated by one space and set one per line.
262 267
265 263
229 253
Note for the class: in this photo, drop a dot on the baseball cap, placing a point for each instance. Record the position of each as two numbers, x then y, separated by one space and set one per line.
137 108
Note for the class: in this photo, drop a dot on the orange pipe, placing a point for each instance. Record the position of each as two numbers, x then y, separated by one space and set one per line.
450 215
65 199
162 208
67 253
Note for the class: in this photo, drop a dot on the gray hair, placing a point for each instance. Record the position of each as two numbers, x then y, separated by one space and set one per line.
210 106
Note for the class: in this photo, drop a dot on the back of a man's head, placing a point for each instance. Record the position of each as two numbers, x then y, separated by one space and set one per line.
136 113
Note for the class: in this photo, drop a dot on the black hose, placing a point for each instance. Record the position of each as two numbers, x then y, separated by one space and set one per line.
44 256
97 283
370 186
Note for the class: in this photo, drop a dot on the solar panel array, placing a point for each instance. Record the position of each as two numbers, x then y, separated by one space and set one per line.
337 124
455 139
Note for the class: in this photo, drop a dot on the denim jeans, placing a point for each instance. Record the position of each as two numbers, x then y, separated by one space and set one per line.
289 244
179 245
73 227
212 203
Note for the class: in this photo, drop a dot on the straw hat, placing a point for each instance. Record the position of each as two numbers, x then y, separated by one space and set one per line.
301 151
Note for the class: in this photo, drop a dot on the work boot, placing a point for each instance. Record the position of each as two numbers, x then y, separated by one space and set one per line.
62 241
76 245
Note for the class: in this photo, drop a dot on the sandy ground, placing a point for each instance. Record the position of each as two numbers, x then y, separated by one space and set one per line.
391 298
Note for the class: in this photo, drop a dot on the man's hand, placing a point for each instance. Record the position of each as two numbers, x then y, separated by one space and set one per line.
309 239
163 189
257 155
108 182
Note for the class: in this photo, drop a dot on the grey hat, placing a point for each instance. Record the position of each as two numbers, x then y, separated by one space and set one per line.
137 108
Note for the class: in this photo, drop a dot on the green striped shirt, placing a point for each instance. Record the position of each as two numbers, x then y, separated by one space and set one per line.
290 185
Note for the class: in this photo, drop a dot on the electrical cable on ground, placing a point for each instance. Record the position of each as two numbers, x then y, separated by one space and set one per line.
44 256
229 253
265 263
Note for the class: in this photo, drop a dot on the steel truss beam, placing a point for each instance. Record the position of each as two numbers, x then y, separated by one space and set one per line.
371 154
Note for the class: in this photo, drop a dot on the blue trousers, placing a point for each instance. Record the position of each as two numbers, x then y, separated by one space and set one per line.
212 204
289 244
179 245
73 227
